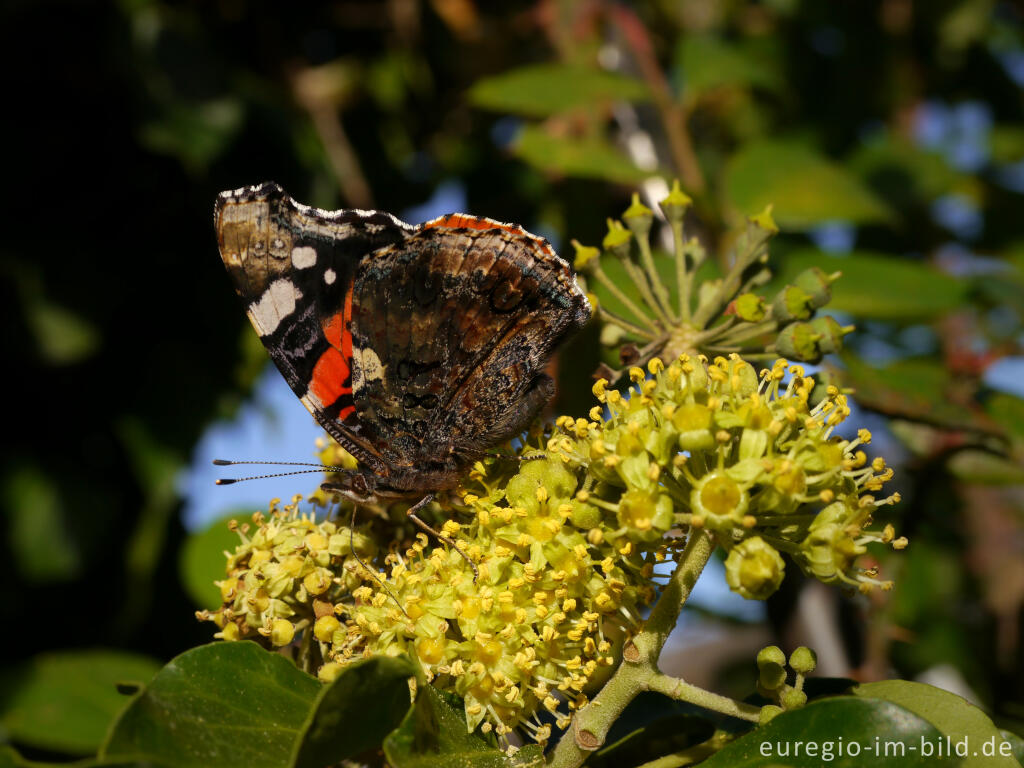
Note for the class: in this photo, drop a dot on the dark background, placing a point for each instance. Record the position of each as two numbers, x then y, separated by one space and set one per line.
123 339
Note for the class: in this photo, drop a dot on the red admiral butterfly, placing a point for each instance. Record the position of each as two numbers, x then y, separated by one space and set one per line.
418 348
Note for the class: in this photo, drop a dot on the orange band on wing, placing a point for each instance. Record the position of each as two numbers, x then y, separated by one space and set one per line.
461 221
331 377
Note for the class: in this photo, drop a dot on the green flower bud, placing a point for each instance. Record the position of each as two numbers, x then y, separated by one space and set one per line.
768 713
803 660
617 239
830 332
799 341
674 206
585 516
764 220
771 654
749 307
772 676
585 254
754 569
791 698
281 632
817 285
792 303
693 422
325 627
638 217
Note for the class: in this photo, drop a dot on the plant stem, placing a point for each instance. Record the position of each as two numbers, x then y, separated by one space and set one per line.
615 291
639 668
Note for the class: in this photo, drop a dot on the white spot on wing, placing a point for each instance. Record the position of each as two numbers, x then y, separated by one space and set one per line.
276 303
330 277
303 257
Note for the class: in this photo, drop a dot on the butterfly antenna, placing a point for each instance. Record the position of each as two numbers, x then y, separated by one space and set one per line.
373 573
230 480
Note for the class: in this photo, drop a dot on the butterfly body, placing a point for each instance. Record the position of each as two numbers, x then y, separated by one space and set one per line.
417 347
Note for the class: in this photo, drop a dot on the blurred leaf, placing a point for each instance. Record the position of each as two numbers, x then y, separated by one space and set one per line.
954 716
196 134
223 704
877 286
805 188
433 735
591 158
705 62
915 389
984 468
1006 143
42 548
354 713
1016 742
542 90
825 723
65 701
904 174
1008 410
202 559
62 337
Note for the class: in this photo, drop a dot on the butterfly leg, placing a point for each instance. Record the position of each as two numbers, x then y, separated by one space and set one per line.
411 514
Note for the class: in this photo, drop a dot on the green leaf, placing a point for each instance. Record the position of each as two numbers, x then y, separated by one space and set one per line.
546 89
664 736
584 157
954 716
916 389
223 704
65 701
1016 743
805 188
1006 143
196 134
43 549
879 287
1008 410
202 559
984 468
62 336
705 62
354 713
798 738
433 735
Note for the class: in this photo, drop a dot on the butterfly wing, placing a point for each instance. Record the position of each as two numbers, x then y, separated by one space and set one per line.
294 266
452 328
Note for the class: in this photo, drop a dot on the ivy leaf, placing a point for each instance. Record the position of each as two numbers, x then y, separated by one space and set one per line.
66 701
805 188
800 738
202 559
954 716
223 704
583 157
546 89
434 735
355 712
880 287
705 62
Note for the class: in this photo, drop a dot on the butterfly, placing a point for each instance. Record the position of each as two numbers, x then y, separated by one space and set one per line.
418 348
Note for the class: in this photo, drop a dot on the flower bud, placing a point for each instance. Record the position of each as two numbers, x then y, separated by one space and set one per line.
792 303
754 569
674 206
749 307
817 285
803 660
799 341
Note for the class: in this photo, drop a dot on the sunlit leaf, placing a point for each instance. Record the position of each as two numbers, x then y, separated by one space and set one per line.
880 287
805 188
582 157
916 389
955 717
194 133
66 701
705 62
546 89
825 724
202 559
985 468
62 336
223 704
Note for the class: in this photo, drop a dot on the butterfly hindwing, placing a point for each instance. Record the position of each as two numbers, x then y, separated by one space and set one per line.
452 328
